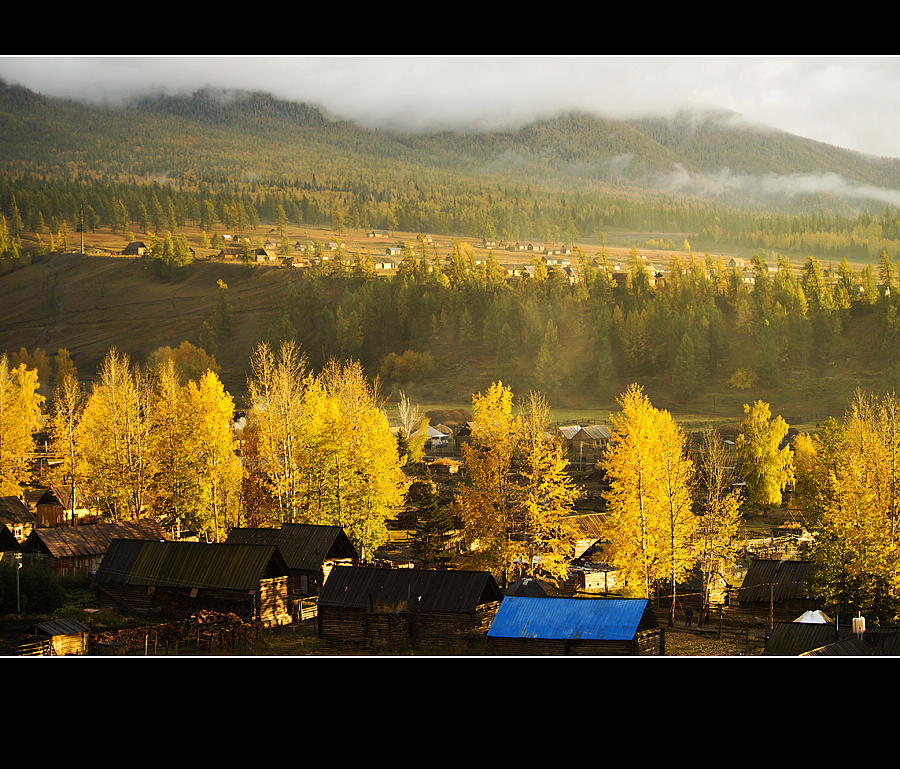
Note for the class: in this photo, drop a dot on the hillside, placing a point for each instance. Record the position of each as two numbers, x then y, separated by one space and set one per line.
210 136
88 304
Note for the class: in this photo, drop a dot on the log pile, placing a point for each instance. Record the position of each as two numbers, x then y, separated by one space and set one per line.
204 631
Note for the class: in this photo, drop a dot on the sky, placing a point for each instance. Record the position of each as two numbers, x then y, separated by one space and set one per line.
849 101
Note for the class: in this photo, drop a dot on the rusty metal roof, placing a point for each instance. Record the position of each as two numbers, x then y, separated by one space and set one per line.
189 564
415 590
594 619
89 539
304 546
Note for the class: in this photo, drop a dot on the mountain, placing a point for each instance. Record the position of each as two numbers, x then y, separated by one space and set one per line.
233 135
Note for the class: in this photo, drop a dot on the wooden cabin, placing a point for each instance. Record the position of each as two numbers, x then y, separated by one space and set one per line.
781 584
576 626
78 550
372 605
310 551
178 579
54 508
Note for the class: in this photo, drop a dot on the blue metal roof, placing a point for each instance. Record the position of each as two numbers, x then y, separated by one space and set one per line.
596 619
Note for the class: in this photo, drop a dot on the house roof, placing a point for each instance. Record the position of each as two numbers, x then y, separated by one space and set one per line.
56 627
790 639
189 564
7 540
91 539
304 546
569 431
849 647
787 578
594 433
531 586
14 510
415 590
588 525
61 495
594 619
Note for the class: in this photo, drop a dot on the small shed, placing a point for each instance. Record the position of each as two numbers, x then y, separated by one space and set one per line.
16 516
310 551
178 579
576 626
78 550
135 248
65 636
365 604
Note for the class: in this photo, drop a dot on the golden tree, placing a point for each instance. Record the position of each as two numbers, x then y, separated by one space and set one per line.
68 403
650 523
20 410
768 469
518 497
114 433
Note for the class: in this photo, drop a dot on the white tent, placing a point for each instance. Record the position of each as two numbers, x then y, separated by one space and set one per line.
815 617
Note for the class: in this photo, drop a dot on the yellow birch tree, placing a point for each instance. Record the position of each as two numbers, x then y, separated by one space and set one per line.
20 411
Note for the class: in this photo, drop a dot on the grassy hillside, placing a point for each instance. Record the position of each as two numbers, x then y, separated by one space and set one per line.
87 304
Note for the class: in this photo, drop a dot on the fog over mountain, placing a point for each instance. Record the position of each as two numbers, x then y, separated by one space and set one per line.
851 102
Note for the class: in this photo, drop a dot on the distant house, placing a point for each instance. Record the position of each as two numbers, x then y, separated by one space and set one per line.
377 234
16 516
384 264
135 248
587 445
372 605
178 579
54 508
779 582
394 251
569 626
533 587
78 550
309 551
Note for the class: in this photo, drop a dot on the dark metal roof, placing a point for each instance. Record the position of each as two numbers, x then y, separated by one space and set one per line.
531 586
849 647
417 590
790 639
788 579
89 539
56 627
595 619
14 510
304 546
189 564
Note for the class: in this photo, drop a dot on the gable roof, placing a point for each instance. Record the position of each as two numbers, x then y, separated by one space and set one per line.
189 564
415 590
7 539
14 510
90 539
594 619
61 495
593 433
304 546
787 578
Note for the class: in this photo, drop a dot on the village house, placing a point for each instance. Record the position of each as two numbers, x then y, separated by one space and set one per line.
377 234
779 584
135 248
310 551
587 444
178 579
16 516
527 625
54 508
373 605
78 550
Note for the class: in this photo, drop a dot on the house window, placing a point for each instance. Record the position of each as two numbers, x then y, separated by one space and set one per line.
17 531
